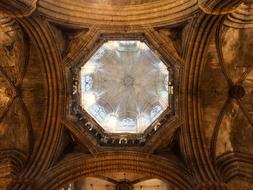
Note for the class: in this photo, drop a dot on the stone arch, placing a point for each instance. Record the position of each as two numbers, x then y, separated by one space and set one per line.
78 166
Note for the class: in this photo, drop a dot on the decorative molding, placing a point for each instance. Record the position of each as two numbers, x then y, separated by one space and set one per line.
17 8
78 165
242 17
158 13
88 126
11 163
40 36
16 133
235 164
218 7
193 144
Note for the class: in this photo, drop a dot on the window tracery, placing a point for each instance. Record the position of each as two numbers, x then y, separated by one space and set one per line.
87 82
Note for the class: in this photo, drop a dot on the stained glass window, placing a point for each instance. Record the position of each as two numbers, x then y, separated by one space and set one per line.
128 122
87 82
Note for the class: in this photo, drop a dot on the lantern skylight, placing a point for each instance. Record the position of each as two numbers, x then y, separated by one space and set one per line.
124 86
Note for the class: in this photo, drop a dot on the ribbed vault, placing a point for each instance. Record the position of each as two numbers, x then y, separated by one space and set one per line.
205 143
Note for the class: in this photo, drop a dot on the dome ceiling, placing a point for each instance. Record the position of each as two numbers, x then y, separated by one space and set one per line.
124 86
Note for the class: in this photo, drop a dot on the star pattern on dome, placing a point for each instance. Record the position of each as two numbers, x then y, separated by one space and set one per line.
124 86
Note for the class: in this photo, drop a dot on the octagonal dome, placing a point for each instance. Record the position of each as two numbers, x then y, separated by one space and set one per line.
124 86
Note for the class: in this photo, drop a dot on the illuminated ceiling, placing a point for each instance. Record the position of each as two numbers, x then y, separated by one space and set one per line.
124 86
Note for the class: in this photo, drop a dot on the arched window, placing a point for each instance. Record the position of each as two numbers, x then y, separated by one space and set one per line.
87 82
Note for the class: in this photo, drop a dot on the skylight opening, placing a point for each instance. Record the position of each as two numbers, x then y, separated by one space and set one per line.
131 81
